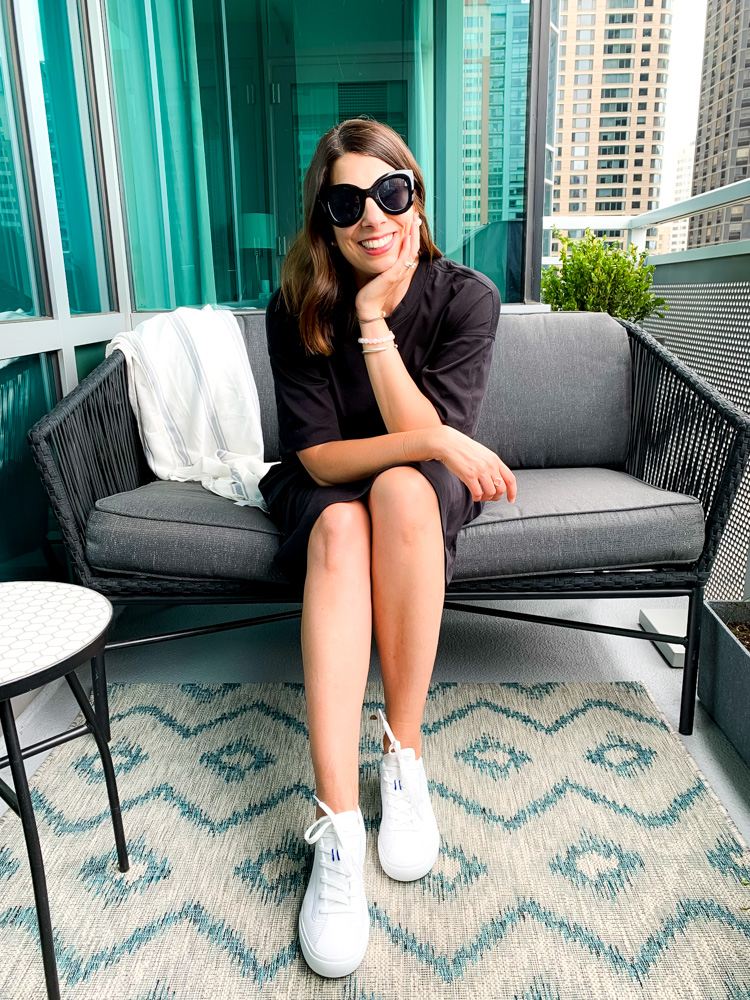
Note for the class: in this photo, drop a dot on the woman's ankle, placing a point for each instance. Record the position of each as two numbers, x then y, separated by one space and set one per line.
336 803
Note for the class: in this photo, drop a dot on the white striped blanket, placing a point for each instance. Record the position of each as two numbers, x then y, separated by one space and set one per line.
194 396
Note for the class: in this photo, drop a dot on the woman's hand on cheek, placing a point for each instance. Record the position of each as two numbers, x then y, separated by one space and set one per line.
371 297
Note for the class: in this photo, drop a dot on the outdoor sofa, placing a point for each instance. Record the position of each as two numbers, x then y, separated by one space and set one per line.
627 464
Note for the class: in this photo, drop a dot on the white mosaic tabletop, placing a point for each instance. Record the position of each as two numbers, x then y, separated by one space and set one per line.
42 623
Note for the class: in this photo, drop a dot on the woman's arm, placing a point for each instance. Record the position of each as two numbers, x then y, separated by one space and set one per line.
346 461
403 406
486 476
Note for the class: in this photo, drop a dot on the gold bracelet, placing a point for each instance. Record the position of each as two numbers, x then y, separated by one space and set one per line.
374 318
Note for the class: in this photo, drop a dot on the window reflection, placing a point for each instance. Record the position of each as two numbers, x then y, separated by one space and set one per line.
220 103
74 160
20 285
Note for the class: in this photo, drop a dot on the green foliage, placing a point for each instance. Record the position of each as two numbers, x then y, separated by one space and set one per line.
595 277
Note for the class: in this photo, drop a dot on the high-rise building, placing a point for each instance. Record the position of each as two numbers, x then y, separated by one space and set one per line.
611 102
723 138
673 235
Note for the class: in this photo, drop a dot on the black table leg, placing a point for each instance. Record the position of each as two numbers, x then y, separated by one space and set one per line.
101 701
33 847
109 771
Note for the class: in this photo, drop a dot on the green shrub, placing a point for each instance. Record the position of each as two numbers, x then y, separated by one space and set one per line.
595 277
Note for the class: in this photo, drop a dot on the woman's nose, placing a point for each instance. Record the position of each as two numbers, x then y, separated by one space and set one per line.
373 214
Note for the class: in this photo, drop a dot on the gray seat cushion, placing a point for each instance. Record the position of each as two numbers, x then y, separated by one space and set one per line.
563 519
181 530
574 519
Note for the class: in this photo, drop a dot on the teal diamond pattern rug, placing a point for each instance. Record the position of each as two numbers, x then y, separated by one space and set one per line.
583 855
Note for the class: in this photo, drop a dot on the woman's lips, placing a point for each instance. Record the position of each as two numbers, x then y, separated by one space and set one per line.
379 250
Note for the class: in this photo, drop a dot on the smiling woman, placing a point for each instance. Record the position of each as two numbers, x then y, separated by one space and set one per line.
378 472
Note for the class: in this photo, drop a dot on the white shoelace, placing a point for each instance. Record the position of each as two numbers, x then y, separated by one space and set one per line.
338 877
403 797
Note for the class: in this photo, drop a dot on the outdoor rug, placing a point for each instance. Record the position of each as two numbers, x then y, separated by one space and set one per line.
583 855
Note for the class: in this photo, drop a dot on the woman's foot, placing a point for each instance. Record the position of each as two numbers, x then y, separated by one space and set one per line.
409 839
334 923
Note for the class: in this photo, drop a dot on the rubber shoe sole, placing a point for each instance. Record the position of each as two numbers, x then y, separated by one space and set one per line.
409 873
326 967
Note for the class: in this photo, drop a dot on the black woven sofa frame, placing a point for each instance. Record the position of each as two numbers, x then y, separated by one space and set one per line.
684 437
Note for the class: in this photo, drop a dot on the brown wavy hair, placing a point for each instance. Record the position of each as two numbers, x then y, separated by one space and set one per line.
315 276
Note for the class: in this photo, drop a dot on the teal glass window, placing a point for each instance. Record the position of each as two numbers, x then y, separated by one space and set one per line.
219 107
21 293
75 161
30 546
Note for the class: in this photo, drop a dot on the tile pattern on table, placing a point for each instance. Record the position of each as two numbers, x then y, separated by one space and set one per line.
42 623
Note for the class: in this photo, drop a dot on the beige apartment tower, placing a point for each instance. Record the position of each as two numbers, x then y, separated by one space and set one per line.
611 104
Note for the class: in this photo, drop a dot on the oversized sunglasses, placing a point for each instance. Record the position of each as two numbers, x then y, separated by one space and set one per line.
344 204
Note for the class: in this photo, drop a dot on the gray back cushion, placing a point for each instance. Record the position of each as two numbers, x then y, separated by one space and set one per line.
253 328
559 391
558 394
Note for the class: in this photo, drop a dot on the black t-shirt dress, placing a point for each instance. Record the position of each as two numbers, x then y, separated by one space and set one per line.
445 330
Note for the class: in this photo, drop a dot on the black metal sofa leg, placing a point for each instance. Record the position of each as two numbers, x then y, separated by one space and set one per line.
33 847
109 771
690 672
101 700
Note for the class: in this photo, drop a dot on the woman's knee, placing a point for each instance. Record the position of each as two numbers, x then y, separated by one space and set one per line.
341 533
403 498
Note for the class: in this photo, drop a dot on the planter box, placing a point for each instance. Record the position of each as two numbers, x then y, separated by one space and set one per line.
724 672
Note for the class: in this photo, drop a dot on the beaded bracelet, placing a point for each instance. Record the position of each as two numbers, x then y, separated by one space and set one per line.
376 340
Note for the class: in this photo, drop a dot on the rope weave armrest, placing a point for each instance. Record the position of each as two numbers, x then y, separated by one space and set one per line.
685 436
86 448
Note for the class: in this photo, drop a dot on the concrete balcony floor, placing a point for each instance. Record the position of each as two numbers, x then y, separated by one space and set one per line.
471 648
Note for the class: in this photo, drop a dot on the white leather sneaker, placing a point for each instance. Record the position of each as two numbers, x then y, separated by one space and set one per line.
409 839
334 923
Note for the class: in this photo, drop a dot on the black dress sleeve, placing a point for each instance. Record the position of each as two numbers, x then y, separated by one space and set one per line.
306 411
455 376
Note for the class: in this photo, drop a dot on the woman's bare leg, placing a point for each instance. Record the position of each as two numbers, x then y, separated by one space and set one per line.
336 634
408 589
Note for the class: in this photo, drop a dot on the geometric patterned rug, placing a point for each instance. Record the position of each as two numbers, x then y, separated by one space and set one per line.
583 855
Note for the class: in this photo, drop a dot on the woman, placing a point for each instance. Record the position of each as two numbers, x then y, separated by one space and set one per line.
380 349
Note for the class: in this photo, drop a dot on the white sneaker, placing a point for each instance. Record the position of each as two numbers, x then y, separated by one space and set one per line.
334 923
409 839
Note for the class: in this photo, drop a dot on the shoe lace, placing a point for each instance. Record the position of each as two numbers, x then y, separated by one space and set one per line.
337 876
402 793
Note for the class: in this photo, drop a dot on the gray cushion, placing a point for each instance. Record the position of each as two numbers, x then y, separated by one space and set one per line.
253 329
181 530
563 519
559 391
573 519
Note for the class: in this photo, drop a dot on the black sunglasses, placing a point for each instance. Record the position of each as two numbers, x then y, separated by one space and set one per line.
344 204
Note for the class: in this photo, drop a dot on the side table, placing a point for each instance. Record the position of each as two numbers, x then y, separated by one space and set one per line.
46 631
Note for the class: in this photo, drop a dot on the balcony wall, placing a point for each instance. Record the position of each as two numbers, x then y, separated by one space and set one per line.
708 327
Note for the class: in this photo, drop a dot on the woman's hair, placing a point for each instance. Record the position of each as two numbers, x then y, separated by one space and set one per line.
316 276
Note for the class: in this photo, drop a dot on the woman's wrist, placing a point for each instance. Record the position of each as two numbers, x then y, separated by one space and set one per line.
424 443
370 312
